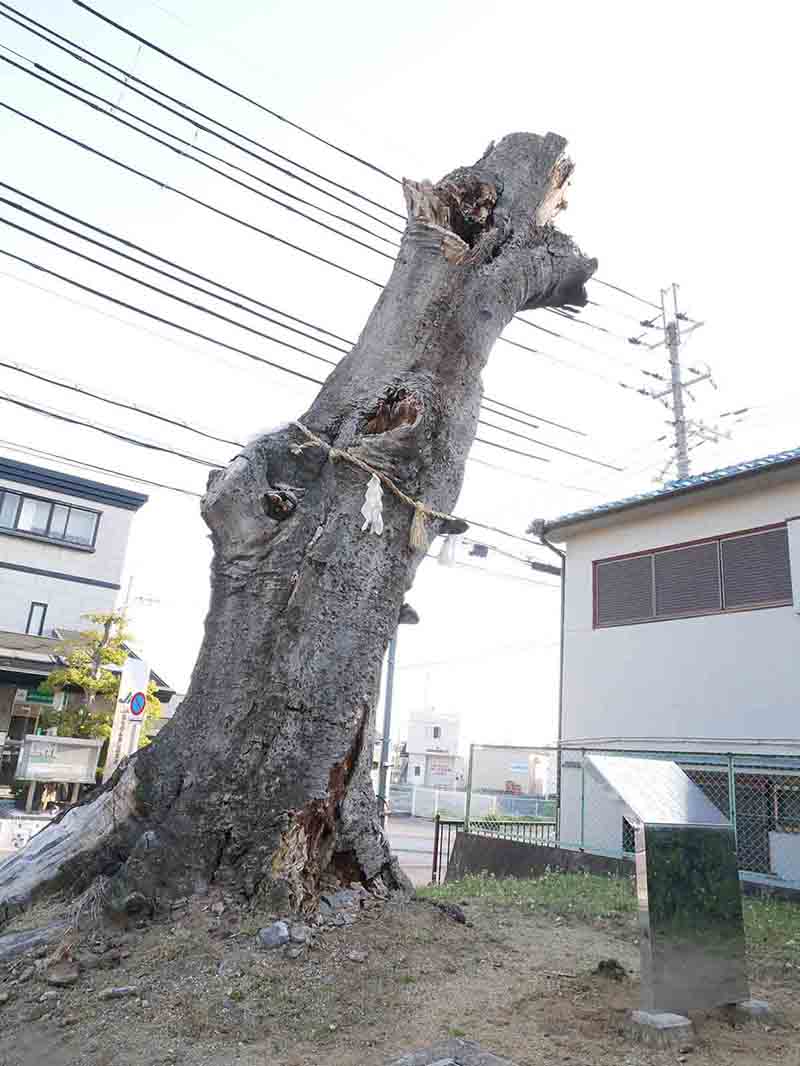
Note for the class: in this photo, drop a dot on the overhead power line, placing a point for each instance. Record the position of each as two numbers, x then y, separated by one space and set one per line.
160 336
62 416
29 450
155 288
114 116
250 329
187 196
266 233
200 162
177 266
243 96
555 448
215 340
235 92
131 82
226 318
159 318
115 107
153 446
32 372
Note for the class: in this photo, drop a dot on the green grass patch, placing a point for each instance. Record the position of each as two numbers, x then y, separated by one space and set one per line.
577 894
772 926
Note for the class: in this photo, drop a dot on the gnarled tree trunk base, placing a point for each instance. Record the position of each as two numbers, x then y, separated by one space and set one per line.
262 779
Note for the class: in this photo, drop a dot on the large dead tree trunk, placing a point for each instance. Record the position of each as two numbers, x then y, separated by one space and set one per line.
262 779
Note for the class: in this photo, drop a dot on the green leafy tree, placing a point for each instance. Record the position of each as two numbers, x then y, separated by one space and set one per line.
86 671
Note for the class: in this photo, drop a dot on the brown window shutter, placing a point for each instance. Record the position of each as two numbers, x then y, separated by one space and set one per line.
687 580
755 569
625 590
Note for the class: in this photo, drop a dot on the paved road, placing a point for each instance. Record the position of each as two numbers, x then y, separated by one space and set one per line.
412 843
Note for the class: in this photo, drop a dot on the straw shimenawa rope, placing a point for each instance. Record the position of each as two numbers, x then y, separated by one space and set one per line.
417 537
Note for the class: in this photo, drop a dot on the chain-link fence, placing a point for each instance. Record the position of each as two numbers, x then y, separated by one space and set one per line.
594 801
519 782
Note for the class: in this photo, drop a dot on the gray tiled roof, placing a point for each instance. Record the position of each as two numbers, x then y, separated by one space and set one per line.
679 488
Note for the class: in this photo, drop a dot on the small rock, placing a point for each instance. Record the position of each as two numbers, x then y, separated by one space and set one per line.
451 910
68 1019
4 998
118 993
357 956
273 936
295 952
49 995
37 1012
136 903
299 934
218 908
63 974
610 969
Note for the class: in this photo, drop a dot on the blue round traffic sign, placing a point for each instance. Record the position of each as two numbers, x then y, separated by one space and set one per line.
138 703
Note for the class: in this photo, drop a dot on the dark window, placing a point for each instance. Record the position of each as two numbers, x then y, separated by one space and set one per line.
726 573
416 771
687 579
756 570
44 518
9 506
436 732
625 590
628 836
36 616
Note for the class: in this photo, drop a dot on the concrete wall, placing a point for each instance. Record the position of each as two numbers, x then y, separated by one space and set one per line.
728 676
66 600
509 858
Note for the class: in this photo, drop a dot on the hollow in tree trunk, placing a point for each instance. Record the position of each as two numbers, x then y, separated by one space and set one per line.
262 779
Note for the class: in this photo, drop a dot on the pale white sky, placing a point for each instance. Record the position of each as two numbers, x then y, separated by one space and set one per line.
681 121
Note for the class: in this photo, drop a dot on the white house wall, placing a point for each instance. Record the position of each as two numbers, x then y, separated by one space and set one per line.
731 676
67 600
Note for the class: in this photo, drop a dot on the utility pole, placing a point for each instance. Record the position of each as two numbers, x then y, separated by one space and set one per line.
408 616
687 433
672 340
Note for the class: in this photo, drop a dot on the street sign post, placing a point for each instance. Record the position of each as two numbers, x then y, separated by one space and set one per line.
128 714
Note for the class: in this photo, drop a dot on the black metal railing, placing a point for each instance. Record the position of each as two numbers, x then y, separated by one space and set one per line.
445 830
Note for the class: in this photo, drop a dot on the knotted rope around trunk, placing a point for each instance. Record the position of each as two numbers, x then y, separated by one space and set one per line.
417 536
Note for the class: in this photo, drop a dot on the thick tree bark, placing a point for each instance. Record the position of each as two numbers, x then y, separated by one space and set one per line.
262 779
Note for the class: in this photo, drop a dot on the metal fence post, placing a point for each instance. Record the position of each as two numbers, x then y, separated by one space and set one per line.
732 800
435 867
468 800
583 796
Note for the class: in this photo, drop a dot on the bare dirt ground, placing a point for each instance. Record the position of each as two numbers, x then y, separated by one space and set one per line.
402 977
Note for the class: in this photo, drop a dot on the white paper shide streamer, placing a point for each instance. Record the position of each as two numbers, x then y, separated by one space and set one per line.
372 508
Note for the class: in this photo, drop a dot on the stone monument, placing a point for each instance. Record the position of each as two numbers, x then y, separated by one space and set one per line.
690 904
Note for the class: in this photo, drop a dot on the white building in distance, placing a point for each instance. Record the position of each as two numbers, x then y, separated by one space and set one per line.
432 749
